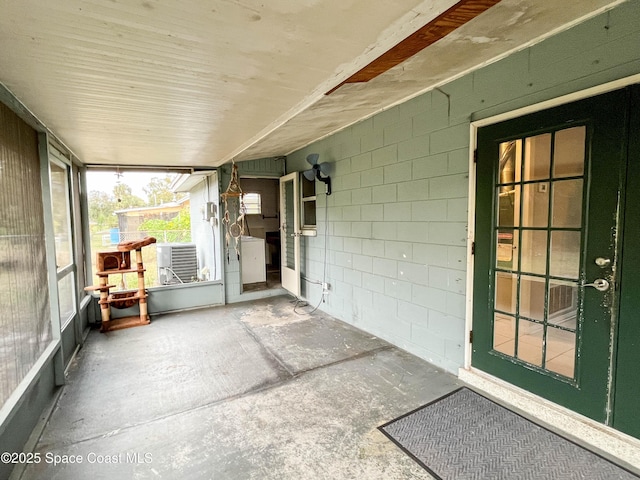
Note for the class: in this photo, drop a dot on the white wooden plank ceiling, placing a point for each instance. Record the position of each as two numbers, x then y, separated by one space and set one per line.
199 82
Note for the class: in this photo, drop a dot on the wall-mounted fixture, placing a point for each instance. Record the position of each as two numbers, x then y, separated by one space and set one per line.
317 170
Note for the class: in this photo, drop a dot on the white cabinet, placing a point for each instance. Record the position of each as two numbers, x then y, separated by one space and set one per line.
254 268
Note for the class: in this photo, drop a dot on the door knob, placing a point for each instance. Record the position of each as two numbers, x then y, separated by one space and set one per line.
599 284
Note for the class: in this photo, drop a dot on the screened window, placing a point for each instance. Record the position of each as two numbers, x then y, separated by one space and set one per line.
252 203
25 323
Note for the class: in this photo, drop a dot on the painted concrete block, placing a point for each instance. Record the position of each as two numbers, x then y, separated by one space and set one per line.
373 248
361 128
415 147
363 263
361 162
429 210
361 196
424 337
584 36
415 231
451 138
432 298
429 121
429 254
454 351
341 167
373 283
361 229
458 161
335 272
350 181
371 141
395 250
415 106
334 214
414 313
372 177
350 147
397 132
400 172
354 277
384 156
383 231
448 233
387 117
457 210
353 245
336 243
373 212
447 279
351 213
385 306
342 289
385 267
397 289
397 212
415 190
456 304
415 273
430 166
457 258
342 229
450 186
341 198
362 298
505 79
384 194
446 326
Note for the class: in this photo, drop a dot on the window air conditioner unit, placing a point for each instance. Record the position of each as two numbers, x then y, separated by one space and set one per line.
177 263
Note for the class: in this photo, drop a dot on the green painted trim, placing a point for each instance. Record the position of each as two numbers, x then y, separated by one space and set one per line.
627 387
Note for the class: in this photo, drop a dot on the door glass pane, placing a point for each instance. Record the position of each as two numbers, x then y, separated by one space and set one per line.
565 254
537 157
568 156
504 331
563 303
506 249
509 206
538 227
567 204
530 342
560 355
509 164
506 290
534 251
532 291
535 205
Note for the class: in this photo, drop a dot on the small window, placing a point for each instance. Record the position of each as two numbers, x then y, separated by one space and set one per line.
308 204
252 203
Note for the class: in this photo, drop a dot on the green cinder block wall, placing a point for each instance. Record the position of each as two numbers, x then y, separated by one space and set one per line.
397 219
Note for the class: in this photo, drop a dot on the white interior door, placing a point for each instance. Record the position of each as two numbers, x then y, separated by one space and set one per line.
290 233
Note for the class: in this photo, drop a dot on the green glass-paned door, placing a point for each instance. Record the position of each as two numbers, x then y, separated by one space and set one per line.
546 209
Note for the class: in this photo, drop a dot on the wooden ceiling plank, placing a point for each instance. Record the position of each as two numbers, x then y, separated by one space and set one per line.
445 23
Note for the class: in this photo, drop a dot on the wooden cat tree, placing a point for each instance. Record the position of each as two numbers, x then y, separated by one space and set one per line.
118 263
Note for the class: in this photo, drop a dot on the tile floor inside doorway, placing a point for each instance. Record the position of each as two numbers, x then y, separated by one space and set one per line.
246 391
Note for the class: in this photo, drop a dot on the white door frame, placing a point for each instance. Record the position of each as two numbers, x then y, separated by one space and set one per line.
290 276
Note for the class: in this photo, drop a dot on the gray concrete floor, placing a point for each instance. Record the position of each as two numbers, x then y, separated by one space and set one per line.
246 391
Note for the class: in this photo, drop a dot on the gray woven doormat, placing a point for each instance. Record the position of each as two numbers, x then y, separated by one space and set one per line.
464 435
